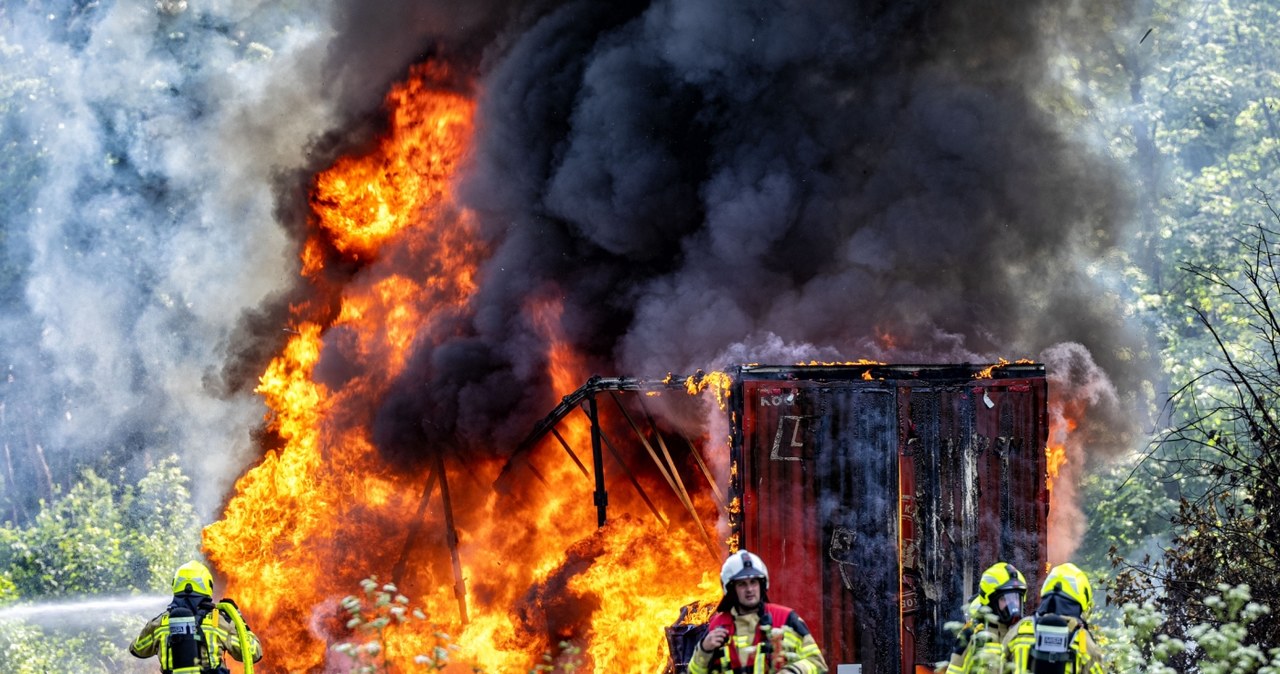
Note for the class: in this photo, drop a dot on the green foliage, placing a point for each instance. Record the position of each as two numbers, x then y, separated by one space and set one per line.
25 649
1215 87
162 524
99 649
102 538
1228 446
99 539
75 546
1127 510
1184 95
8 591
1221 644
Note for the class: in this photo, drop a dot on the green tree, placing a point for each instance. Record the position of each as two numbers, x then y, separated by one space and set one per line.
1184 94
162 525
75 545
1129 511
100 539
1208 76
1228 439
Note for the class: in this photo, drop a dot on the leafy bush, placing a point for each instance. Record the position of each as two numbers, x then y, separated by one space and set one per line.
1220 645
1221 452
102 538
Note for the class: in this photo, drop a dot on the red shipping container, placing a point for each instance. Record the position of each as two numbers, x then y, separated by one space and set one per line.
878 494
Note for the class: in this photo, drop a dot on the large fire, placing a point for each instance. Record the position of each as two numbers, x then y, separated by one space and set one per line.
508 573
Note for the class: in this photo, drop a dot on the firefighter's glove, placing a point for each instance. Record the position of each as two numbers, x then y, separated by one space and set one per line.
228 600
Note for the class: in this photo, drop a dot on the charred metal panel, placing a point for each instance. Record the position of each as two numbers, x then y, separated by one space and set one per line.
976 456
878 494
819 474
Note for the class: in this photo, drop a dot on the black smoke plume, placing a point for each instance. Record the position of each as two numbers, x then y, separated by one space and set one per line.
715 182
699 182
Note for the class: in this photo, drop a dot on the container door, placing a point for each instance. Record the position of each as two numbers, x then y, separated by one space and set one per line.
820 506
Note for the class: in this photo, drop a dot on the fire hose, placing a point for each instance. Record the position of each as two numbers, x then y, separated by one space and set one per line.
242 633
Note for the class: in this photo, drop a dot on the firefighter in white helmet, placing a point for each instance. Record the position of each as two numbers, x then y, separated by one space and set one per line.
750 635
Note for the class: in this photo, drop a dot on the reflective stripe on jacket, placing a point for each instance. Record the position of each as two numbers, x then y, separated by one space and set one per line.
1087 656
216 635
984 652
799 653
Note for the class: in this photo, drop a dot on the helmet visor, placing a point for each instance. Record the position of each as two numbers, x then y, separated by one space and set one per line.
1061 603
1009 606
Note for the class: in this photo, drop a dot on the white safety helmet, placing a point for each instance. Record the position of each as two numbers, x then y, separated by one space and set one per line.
742 565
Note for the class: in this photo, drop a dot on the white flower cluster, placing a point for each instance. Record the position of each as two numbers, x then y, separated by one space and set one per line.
382 608
1218 647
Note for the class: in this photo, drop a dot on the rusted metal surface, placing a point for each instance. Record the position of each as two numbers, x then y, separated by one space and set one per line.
835 468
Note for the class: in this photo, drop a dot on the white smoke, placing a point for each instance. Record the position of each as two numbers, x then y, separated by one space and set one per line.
155 130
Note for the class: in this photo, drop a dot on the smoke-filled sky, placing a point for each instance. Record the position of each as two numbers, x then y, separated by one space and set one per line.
701 183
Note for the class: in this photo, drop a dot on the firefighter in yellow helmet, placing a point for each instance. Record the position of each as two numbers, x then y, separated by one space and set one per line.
1057 640
191 635
979 648
973 622
749 635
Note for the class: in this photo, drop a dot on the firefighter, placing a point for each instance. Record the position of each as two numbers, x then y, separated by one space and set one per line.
748 634
191 635
1057 640
973 619
979 647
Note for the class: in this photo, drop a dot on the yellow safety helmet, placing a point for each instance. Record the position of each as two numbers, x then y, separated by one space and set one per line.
193 577
997 580
1067 579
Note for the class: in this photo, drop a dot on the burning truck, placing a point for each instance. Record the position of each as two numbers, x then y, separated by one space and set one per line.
877 493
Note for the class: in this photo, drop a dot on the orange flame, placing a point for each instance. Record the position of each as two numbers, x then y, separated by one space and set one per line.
989 370
1060 429
720 383
364 201
324 508
1063 462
